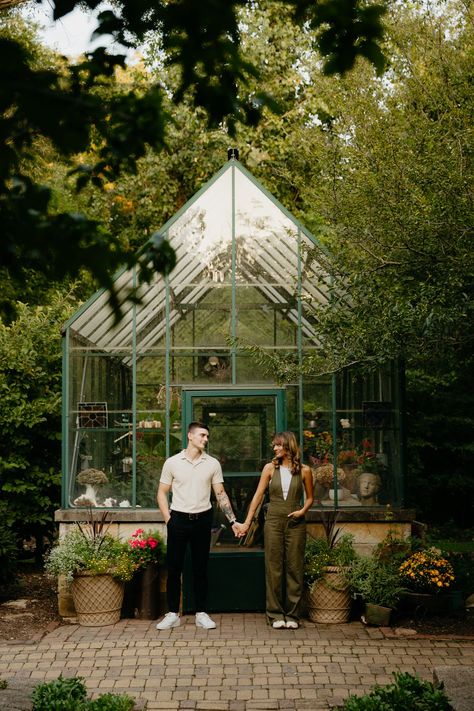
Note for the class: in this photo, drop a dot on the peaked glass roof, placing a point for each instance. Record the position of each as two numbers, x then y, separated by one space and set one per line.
238 251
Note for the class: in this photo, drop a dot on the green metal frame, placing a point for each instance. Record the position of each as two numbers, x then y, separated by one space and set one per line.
278 393
232 389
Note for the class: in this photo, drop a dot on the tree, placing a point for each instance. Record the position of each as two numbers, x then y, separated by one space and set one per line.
202 40
30 416
387 185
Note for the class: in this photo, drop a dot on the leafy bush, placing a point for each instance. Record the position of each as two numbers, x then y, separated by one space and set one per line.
393 550
407 692
378 583
463 566
30 416
60 695
71 695
111 702
8 551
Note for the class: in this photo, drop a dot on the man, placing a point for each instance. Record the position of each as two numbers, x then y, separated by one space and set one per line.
191 475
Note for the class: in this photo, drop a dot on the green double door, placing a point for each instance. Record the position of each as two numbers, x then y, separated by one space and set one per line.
241 425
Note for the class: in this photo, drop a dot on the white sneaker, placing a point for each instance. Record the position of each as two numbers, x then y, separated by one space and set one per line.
203 620
279 624
171 619
292 625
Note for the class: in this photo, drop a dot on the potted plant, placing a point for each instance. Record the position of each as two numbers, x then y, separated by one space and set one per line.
323 479
96 565
327 561
426 575
91 479
142 594
379 585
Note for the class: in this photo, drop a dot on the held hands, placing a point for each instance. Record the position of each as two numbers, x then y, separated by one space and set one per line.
239 529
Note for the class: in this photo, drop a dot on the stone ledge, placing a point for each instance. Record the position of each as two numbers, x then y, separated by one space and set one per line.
458 685
137 515
126 515
376 514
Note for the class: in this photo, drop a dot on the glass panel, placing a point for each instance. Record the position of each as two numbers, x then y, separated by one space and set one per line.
202 235
369 436
203 321
151 317
263 320
96 324
241 429
249 371
107 452
266 239
207 367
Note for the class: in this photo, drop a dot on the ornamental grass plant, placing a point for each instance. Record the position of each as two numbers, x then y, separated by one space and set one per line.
89 549
335 549
378 583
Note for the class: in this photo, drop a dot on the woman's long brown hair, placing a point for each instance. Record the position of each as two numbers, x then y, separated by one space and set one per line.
288 441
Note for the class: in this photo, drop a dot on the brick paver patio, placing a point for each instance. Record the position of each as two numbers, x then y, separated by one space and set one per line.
242 665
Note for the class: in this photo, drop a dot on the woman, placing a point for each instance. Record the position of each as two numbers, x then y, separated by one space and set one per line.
285 529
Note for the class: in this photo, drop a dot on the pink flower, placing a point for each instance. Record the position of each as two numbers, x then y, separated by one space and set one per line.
138 532
152 543
142 544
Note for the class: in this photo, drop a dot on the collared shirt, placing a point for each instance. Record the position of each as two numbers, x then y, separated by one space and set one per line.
191 482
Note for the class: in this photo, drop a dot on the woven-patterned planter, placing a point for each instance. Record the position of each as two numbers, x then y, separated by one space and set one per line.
97 599
329 600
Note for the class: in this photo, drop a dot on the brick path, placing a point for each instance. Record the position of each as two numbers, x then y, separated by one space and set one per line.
243 665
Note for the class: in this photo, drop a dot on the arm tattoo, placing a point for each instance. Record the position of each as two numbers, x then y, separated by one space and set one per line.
225 505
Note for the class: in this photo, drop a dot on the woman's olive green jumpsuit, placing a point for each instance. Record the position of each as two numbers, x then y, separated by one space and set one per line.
285 540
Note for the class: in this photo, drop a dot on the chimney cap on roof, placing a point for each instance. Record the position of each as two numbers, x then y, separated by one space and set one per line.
232 153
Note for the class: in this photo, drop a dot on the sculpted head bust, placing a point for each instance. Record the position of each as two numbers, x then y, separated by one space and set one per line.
368 485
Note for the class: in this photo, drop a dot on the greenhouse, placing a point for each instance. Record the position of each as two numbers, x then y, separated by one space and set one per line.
247 281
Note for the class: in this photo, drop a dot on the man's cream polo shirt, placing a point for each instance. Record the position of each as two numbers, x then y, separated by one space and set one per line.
191 482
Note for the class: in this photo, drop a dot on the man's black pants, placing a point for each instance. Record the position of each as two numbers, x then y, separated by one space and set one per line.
195 530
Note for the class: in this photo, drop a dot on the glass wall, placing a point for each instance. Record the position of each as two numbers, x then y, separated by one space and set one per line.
244 291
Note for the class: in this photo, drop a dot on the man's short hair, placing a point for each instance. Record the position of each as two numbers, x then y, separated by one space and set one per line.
197 425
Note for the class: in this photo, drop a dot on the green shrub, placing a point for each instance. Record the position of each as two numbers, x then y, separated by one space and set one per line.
8 551
111 702
60 695
407 693
378 583
71 695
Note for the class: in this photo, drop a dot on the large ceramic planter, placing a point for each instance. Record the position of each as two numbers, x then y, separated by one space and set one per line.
329 599
97 599
377 615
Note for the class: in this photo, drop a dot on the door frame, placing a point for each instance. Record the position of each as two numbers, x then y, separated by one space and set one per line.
189 393
246 567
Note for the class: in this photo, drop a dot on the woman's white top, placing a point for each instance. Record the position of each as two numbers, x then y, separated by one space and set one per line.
285 476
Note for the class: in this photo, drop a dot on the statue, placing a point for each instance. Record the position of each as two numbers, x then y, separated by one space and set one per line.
368 485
